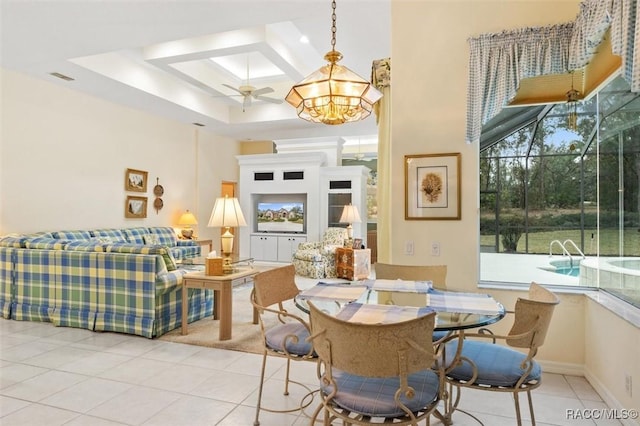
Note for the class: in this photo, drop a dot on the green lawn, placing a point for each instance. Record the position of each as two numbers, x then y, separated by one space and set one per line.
609 242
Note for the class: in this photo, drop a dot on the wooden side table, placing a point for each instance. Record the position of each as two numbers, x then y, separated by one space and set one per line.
353 264
222 299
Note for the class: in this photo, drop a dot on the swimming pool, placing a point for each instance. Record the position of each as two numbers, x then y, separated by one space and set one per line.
565 267
632 264
572 271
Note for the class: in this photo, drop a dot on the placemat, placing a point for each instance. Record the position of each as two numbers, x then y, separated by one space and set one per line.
380 314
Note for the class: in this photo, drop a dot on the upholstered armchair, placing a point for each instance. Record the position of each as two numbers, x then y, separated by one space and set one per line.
318 259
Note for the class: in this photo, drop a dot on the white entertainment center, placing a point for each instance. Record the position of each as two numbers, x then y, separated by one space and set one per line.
306 180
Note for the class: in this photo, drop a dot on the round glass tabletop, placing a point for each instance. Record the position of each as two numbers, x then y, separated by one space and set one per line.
445 321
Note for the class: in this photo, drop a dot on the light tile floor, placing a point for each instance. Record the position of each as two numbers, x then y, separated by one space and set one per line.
64 376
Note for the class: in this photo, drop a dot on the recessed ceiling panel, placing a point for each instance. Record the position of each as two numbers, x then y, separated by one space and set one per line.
247 66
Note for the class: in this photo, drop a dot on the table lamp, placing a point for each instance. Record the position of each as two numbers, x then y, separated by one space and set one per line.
186 221
227 214
350 215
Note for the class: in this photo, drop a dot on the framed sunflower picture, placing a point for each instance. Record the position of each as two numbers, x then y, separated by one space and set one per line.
432 186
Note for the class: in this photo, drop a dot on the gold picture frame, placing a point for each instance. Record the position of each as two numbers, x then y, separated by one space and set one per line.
357 243
432 186
135 207
135 180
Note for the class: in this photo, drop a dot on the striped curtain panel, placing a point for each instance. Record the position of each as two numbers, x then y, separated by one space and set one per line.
499 61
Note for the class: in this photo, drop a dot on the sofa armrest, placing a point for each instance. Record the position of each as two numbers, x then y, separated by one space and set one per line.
309 245
166 282
186 243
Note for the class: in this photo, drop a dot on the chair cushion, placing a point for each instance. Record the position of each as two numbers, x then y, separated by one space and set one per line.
439 334
497 365
375 396
275 337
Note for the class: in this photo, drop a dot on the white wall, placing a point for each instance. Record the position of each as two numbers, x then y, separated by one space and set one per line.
65 153
429 87
430 58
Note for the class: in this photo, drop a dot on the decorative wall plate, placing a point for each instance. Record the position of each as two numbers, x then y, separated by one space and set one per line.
158 204
158 190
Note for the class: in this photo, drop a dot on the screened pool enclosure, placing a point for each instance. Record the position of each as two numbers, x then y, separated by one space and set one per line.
560 196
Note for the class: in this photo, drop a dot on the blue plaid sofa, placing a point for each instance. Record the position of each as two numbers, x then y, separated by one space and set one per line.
78 279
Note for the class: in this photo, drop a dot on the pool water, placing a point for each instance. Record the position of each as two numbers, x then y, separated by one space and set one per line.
574 272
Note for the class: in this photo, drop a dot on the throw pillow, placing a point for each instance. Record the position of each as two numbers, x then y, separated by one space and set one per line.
102 239
151 240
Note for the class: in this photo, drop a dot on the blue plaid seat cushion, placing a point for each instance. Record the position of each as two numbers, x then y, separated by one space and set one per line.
275 338
497 365
375 396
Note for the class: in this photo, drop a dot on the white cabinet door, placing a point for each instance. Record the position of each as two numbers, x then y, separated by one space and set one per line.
287 245
264 247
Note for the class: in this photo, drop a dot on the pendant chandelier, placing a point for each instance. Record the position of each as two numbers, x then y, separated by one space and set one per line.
333 94
572 107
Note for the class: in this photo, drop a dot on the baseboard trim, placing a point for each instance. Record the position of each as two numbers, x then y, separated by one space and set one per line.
570 369
608 397
565 368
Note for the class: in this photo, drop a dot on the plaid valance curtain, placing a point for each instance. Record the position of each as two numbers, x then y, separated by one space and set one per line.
499 61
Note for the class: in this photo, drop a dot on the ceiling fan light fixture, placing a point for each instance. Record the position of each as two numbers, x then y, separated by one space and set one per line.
333 94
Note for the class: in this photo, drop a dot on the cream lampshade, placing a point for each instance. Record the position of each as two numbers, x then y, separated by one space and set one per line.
350 215
187 220
227 214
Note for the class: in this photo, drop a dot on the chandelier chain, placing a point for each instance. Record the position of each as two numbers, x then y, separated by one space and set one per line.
334 29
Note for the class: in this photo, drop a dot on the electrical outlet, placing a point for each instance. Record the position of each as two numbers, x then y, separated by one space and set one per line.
435 248
628 386
408 248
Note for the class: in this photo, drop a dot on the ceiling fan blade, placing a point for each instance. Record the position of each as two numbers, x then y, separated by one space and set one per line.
262 91
232 88
267 99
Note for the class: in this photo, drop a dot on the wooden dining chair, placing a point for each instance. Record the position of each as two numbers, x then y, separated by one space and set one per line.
375 373
284 334
434 273
486 365
437 274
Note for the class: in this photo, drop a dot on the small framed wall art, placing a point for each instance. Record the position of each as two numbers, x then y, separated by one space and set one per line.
357 243
135 180
432 187
135 207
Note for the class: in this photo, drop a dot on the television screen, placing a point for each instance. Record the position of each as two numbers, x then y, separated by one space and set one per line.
281 217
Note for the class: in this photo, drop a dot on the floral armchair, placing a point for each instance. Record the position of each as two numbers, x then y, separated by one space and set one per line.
318 259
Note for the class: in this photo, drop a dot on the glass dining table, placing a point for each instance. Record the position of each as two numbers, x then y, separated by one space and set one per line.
368 301
454 310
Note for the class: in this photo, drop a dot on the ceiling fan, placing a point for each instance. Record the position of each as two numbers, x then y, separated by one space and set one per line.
249 92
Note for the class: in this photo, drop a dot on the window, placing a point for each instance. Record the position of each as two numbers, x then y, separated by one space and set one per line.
560 205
